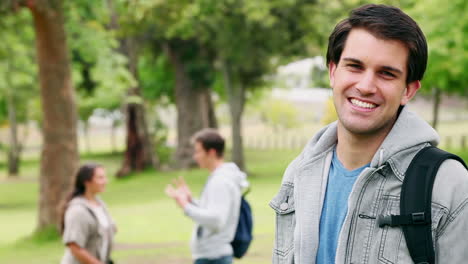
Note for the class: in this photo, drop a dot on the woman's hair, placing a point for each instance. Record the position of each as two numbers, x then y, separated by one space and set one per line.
84 174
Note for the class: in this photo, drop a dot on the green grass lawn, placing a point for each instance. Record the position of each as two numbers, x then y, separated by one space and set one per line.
151 228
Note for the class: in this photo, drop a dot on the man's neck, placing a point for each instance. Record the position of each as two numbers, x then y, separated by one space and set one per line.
355 151
215 164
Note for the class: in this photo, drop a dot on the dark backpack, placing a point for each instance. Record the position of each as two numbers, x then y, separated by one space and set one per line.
243 235
415 203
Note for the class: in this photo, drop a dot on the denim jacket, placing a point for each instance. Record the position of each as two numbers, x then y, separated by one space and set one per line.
298 204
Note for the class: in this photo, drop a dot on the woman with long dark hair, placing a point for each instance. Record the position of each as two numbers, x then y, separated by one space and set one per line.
87 228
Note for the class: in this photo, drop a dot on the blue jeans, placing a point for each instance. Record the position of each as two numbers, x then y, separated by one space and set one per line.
221 260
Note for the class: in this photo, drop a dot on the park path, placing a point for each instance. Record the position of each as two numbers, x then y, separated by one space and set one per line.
151 258
163 253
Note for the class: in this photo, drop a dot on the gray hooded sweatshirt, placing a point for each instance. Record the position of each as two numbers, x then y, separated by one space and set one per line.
216 214
299 202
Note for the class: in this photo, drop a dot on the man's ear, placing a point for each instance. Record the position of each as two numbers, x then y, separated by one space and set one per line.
331 73
410 91
212 152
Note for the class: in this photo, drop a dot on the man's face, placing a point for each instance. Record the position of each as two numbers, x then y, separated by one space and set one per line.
200 155
369 83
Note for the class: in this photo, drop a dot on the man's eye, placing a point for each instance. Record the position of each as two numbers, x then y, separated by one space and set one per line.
354 66
388 74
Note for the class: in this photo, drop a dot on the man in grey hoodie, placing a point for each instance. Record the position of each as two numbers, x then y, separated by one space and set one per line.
352 170
216 214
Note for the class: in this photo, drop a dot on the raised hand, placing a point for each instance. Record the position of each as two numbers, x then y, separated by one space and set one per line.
183 187
179 191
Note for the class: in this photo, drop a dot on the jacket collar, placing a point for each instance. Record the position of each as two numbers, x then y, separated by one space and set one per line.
409 131
323 142
409 134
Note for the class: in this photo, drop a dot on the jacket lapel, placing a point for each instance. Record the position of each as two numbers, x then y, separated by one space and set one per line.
309 193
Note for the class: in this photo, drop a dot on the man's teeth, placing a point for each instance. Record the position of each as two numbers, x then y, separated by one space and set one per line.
362 104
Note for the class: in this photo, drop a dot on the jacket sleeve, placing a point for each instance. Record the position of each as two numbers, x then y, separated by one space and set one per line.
283 249
452 232
220 194
77 226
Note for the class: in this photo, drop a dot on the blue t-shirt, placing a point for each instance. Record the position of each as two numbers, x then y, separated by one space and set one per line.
335 206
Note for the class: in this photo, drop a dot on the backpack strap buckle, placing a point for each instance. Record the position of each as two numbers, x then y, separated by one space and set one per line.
418 218
384 220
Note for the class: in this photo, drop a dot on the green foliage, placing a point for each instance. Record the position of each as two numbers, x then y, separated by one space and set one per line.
445 25
155 23
156 77
99 70
246 35
17 65
163 152
158 132
330 114
278 114
47 234
3 111
239 30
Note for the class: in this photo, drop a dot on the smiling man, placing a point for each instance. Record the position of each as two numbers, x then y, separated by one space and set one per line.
352 170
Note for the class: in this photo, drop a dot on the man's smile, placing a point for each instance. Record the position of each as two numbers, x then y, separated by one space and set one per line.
362 104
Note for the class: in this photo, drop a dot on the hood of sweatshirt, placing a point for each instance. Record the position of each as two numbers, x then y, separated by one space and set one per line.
408 131
231 171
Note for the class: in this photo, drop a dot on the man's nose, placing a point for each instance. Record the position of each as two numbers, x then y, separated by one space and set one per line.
367 85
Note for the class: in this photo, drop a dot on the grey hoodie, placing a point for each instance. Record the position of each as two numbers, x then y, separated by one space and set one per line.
216 214
377 191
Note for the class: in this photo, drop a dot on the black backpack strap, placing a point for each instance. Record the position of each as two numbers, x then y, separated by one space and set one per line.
415 203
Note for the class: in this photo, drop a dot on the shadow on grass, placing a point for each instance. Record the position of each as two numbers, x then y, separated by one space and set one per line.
45 236
14 206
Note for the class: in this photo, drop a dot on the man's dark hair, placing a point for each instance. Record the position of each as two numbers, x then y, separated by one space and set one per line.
384 22
210 139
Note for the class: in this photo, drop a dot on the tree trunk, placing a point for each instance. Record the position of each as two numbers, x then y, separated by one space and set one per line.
236 99
59 159
207 109
436 106
194 109
112 137
86 136
14 147
139 154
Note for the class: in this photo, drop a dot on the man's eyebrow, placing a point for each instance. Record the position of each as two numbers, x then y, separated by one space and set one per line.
387 68
352 60
392 69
